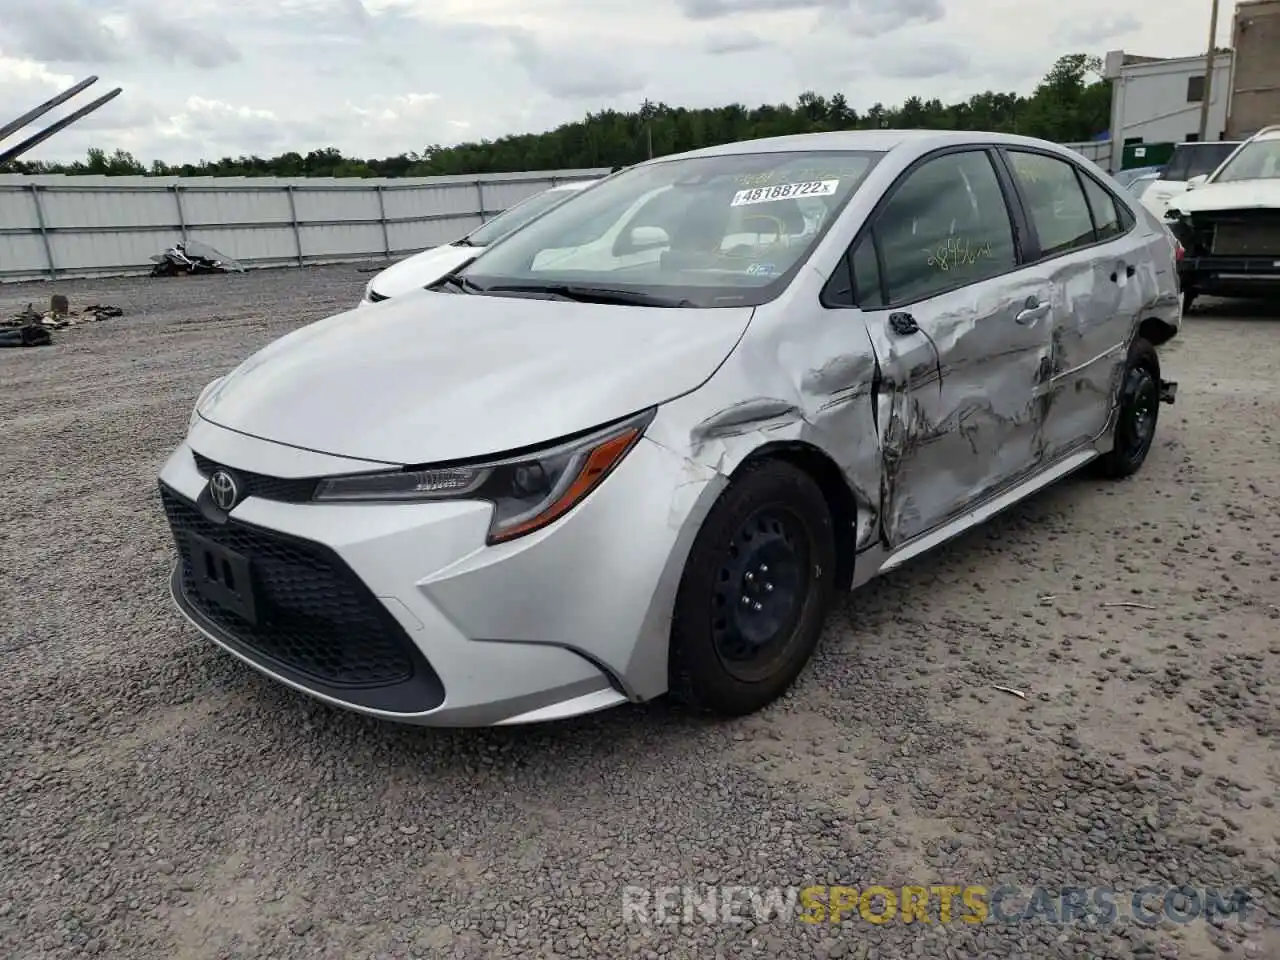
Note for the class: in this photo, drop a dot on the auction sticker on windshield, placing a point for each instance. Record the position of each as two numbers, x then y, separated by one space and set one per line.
785 191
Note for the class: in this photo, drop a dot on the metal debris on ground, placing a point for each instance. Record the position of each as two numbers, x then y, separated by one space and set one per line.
1009 690
191 257
30 328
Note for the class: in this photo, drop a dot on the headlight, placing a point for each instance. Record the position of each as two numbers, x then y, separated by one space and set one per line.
527 492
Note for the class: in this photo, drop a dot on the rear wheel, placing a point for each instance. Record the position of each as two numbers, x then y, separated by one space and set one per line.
754 593
1188 298
1138 413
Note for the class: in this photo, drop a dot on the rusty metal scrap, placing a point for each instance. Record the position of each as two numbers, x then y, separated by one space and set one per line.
60 315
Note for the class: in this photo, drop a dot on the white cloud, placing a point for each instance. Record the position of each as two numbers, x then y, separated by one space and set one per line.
212 78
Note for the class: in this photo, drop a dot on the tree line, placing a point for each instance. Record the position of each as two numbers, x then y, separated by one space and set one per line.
1071 103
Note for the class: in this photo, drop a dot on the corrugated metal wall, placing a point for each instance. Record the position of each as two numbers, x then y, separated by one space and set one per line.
62 226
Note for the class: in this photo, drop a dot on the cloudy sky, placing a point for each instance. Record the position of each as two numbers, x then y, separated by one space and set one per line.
204 78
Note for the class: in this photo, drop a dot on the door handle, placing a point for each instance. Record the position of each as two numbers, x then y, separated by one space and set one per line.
1032 310
1130 270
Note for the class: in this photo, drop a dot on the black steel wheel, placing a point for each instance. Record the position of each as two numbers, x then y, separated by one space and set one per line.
1137 412
754 592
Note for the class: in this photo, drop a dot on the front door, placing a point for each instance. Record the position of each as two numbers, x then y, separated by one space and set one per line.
962 336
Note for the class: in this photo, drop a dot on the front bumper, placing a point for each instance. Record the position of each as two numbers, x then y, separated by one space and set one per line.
400 611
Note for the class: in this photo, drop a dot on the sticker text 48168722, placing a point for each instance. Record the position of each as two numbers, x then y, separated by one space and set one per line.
785 191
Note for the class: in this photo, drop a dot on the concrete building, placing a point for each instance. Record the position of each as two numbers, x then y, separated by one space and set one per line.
1157 100
1255 89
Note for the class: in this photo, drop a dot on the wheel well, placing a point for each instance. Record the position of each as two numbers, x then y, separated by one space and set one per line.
840 499
1155 331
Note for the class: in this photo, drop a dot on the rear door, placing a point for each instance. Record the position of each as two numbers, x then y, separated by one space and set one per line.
1092 251
961 335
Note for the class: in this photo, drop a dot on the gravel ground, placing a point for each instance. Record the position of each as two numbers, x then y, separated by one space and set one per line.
157 800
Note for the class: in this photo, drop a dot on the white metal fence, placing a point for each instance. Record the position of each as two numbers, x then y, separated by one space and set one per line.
83 226
1099 151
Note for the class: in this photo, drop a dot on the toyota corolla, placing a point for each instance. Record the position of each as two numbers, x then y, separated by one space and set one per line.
636 446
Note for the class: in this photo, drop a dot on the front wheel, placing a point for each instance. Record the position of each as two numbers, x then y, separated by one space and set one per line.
1137 414
754 592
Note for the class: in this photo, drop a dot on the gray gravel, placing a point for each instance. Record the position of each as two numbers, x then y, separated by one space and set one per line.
157 800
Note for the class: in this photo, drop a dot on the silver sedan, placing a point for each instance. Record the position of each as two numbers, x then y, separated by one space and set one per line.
635 447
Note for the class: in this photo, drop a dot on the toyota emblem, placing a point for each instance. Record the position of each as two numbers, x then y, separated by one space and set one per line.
223 490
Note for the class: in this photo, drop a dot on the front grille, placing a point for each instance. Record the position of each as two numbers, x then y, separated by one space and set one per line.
314 616
259 485
1246 238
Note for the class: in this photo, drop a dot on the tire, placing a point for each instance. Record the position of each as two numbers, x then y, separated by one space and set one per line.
1137 415
1188 298
754 593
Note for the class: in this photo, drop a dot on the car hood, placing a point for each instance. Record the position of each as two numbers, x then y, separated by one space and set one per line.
415 272
431 377
1237 195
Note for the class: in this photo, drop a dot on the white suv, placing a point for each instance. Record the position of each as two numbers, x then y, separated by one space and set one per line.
1189 161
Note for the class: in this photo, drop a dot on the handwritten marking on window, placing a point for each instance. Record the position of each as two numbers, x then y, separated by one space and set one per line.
958 252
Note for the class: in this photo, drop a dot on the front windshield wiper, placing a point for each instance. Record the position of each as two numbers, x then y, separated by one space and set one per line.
588 294
455 282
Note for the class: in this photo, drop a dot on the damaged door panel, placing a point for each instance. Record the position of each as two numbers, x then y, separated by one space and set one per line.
1091 251
962 338
956 405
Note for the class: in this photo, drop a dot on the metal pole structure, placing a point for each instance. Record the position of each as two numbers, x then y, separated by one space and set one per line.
382 217
480 199
15 125
1208 72
44 231
38 138
293 219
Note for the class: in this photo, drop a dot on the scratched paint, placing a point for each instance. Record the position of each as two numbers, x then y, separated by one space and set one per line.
1002 377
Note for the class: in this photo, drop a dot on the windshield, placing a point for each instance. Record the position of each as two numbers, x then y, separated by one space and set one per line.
725 230
1196 159
1257 160
515 217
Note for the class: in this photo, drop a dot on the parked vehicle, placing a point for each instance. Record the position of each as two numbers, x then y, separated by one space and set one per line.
427 266
551 484
1138 186
1228 224
1126 177
1189 160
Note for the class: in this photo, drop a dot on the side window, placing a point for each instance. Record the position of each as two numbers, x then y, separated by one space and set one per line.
866 275
1055 201
946 225
1106 212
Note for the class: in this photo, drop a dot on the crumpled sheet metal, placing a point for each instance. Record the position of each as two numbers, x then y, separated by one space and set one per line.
808 380
923 424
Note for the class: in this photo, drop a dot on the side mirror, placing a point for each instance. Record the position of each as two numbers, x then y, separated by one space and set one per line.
640 239
1197 181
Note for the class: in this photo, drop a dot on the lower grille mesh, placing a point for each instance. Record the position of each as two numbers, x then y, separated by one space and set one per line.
314 615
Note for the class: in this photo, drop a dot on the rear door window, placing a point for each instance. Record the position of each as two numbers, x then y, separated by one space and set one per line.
1055 201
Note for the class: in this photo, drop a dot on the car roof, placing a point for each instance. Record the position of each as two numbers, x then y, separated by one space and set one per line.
574 185
879 141
1210 143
